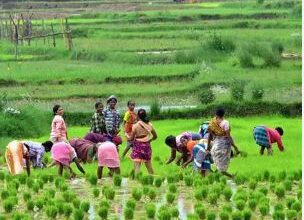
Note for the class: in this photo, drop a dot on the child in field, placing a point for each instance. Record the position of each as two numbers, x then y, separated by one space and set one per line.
142 134
107 155
63 154
59 130
98 121
129 120
175 144
265 137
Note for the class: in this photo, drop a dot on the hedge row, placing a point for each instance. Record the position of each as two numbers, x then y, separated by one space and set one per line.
232 108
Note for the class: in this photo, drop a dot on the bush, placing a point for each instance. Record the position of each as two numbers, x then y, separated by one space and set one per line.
257 93
103 212
150 210
280 191
237 91
216 42
117 180
207 96
128 213
170 198
85 206
78 214
136 194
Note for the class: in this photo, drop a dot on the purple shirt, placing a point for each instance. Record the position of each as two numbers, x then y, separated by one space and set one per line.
96 138
36 152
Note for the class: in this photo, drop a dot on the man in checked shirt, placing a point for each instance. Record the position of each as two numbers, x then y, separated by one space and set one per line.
98 120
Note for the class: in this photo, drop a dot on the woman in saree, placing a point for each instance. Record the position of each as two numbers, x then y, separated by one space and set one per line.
142 134
219 133
14 155
85 149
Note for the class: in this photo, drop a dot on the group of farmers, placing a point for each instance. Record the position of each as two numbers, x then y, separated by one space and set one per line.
212 144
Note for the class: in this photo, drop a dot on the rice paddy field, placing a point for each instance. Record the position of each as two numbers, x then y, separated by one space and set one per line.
169 53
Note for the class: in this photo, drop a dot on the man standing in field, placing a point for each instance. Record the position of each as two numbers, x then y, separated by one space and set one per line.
265 137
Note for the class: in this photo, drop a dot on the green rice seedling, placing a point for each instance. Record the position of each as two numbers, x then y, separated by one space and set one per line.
299 194
4 194
39 203
172 188
104 203
264 190
264 209
198 194
136 194
14 185
252 203
174 212
117 180
247 214
227 208
266 175
51 211
146 190
30 205
96 192
287 185
272 178
172 179
240 179
240 195
51 178
20 216
223 180
211 216
58 182
78 214
297 175
76 203
224 215
278 207
280 192
158 182
210 179
67 209
201 212
8 205
128 213
227 193
22 178
278 215
296 206
152 194
240 204
197 183
103 212
68 196
110 194
59 205
150 179
291 214
192 216
252 184
170 197
2 175
236 215
51 193
212 198
36 187
272 187
150 210
85 206
64 187
289 202
27 196
188 180
282 175
131 204
217 189
45 178
164 214
40 183
29 182
180 176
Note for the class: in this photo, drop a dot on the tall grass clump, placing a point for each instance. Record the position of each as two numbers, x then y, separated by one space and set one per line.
237 90
245 58
257 93
155 108
207 96
219 43
89 55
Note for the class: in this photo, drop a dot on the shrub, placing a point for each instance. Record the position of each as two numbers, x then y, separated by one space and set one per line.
158 181
136 194
291 214
51 211
224 215
78 214
227 193
103 212
150 210
172 188
236 215
216 42
211 216
207 96
128 213
8 205
96 192
117 180
188 180
152 194
280 191
257 93
237 92
131 204
67 209
85 206
170 197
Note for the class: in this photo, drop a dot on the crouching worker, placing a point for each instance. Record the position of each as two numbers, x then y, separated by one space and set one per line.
14 155
63 154
265 137
107 157
85 149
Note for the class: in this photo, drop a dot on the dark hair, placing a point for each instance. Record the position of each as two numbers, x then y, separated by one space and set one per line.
129 102
142 115
280 130
55 109
220 112
47 145
97 104
171 141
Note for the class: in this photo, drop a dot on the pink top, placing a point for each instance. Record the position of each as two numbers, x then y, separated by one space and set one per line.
184 134
225 125
58 128
63 153
107 155
273 137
